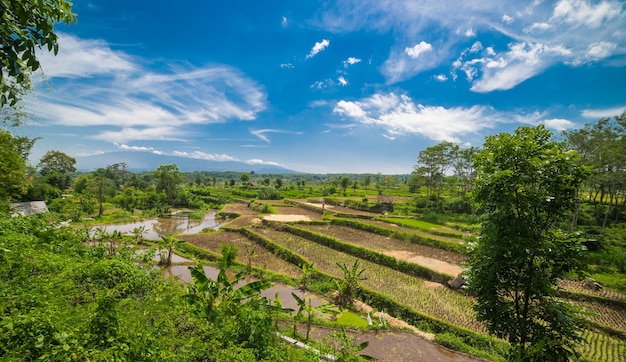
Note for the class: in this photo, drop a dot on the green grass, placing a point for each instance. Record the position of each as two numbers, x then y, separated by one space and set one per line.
348 318
615 281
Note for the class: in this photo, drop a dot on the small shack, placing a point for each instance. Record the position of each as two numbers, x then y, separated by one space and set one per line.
28 208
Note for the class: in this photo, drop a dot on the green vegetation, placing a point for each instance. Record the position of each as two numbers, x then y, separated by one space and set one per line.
62 300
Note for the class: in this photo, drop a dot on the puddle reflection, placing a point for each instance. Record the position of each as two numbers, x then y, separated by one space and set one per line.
157 227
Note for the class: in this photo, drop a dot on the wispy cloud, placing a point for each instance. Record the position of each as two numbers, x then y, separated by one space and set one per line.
261 133
603 113
139 104
398 115
571 32
318 47
81 58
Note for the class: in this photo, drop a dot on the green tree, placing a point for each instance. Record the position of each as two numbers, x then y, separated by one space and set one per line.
278 183
433 163
526 183
55 167
244 178
27 25
601 148
168 177
345 182
13 178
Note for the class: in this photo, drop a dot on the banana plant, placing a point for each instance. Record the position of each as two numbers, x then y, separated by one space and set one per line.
213 295
308 308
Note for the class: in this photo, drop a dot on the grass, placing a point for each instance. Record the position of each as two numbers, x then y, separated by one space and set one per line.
351 319
422 225
615 281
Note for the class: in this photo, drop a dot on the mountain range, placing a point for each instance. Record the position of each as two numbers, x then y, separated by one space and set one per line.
145 161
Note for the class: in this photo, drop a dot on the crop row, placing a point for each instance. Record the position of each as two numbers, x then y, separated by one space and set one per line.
383 244
579 287
259 256
602 348
411 237
441 302
424 226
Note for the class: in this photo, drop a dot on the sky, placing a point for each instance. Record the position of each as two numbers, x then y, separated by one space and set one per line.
349 86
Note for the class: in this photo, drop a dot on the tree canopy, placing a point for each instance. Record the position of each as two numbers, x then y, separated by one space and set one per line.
27 25
526 184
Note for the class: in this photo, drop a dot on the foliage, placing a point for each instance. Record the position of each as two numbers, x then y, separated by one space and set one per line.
26 25
349 284
526 184
304 307
168 177
13 178
229 254
241 311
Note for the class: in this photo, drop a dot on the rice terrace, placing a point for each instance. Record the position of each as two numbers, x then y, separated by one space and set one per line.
347 180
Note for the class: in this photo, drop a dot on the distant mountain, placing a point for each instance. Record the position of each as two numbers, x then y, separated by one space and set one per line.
145 161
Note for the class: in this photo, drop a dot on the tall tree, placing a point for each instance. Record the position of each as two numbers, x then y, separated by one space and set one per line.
526 184
27 25
434 162
168 177
601 146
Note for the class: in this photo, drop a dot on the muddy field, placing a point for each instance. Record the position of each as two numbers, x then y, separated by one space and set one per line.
262 258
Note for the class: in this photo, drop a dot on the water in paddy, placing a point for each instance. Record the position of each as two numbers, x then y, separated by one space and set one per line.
157 227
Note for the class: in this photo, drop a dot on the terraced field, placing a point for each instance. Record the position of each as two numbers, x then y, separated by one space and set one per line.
262 257
442 261
441 303
426 297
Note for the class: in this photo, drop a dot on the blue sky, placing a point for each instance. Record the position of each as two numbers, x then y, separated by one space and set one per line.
323 86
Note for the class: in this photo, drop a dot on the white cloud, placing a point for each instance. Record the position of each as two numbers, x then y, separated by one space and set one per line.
80 58
261 133
205 156
418 49
596 51
126 147
559 124
141 134
350 61
318 47
580 12
583 28
440 77
141 104
397 115
604 113
342 81
470 33
522 61
256 161
476 47
287 65
538 26
284 22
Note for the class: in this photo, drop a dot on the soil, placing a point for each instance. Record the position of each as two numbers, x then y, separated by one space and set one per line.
443 261
434 264
392 345
286 218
